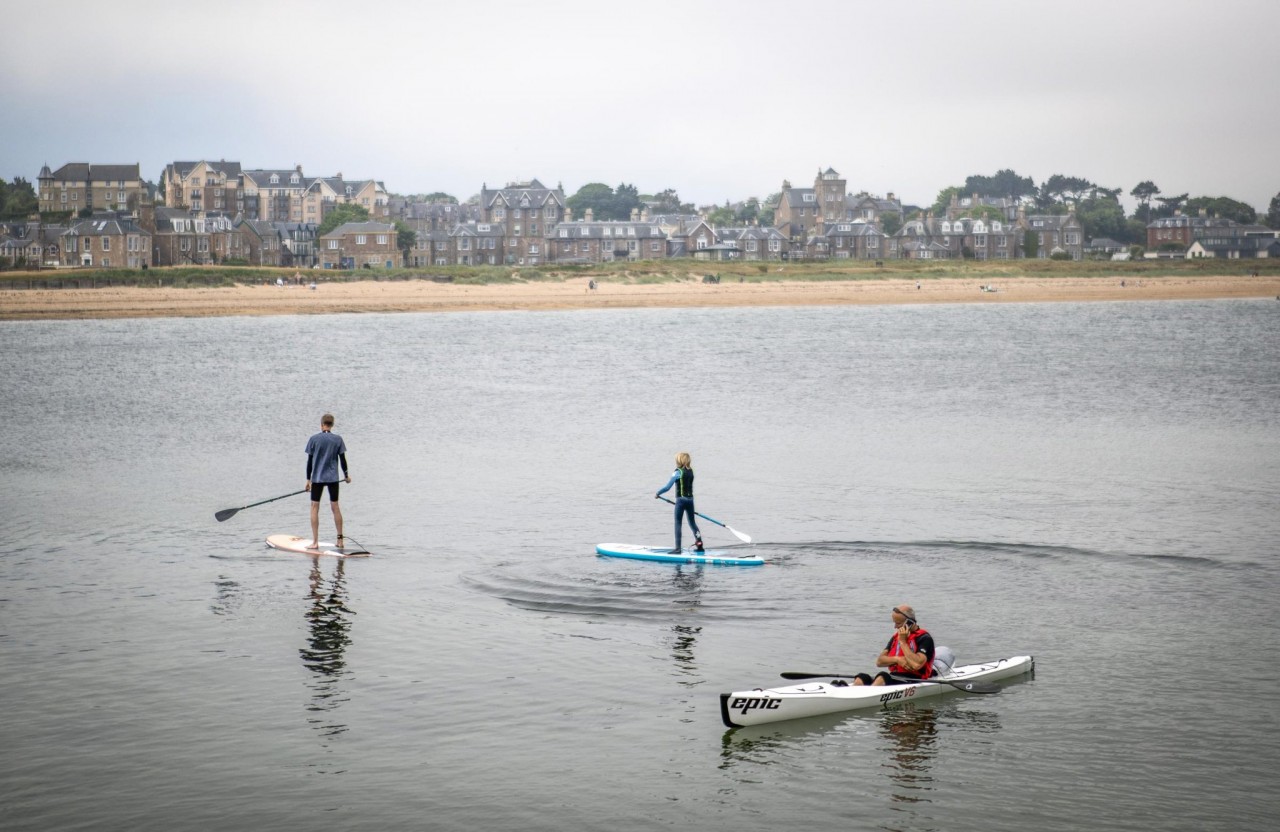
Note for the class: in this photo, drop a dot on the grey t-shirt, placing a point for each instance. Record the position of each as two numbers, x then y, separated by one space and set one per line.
323 449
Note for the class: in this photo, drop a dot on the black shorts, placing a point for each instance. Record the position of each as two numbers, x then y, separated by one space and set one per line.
317 488
884 674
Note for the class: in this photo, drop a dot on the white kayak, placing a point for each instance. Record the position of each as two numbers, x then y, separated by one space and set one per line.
667 555
761 705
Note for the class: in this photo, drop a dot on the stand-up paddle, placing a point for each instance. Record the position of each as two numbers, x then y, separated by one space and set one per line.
745 538
228 513
958 684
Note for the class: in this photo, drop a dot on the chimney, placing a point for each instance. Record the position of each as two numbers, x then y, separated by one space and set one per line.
568 214
1204 212
635 215
298 168
890 197
589 216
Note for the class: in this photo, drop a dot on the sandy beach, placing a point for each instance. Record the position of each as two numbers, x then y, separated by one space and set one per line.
574 293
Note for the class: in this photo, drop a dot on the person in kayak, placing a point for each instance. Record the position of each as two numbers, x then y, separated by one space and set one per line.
682 479
325 450
909 652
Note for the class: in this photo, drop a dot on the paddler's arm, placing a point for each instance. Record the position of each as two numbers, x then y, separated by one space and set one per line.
667 487
310 458
346 473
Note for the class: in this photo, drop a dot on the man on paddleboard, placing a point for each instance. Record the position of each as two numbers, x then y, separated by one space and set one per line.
325 450
682 479
909 652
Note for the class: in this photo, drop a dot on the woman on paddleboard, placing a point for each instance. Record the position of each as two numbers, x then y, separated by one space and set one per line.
682 479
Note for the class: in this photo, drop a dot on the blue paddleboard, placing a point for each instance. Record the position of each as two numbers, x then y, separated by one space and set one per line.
664 554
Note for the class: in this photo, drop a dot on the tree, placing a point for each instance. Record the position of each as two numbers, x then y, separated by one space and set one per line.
596 196
1030 244
1273 213
891 222
406 239
1103 217
340 214
722 216
1058 189
1002 183
1221 206
20 200
1143 192
440 196
625 199
668 202
1170 204
749 212
943 201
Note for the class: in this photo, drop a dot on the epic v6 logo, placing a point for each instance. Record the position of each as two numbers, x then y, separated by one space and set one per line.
899 693
751 703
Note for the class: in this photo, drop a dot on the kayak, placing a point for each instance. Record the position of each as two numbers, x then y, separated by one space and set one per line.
761 705
666 555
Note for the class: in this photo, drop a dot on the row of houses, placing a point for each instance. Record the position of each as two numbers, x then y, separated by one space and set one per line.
528 223
205 186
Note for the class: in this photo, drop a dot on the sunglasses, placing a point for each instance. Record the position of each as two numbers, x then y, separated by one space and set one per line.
910 618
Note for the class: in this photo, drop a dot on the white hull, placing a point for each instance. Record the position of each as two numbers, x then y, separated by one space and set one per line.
762 705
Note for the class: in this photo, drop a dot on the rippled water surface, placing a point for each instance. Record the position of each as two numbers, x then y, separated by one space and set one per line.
1097 485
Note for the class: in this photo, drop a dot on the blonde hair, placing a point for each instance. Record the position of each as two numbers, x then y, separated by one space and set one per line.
683 460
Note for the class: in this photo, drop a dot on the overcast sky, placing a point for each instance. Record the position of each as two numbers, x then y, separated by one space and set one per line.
719 100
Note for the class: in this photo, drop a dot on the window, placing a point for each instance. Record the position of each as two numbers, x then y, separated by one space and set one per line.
275 179
440 246
106 244
382 239
516 213
873 242
655 246
752 245
533 248
464 244
550 213
564 232
333 245
775 245
809 198
517 228
361 239
533 228
499 213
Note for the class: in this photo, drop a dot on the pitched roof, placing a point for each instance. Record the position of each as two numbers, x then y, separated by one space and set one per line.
85 172
360 228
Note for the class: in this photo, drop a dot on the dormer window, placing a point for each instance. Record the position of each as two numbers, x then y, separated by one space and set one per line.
293 180
275 179
809 198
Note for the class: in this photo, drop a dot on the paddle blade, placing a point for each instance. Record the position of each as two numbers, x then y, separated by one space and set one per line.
225 514
793 675
745 538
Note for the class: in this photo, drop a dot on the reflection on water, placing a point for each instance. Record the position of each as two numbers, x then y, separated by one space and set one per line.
912 733
329 633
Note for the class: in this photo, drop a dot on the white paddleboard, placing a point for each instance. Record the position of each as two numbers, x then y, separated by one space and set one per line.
665 555
293 543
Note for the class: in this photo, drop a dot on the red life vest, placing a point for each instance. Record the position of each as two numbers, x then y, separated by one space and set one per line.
895 649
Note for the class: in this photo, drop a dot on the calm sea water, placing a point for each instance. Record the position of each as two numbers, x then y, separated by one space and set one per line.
1097 485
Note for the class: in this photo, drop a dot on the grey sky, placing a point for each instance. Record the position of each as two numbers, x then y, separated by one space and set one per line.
719 100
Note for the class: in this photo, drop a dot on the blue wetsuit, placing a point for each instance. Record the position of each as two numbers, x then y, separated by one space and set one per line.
682 479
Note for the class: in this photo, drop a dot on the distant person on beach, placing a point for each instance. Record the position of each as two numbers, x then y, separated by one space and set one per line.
682 479
325 451
909 652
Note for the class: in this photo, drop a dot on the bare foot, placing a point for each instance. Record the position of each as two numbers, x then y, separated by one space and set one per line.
315 544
